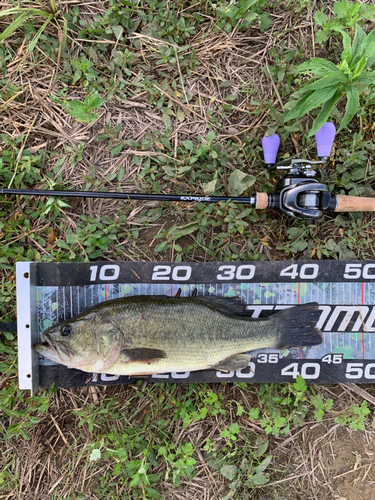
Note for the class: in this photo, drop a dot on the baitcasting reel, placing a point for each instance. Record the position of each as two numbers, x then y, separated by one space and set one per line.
301 195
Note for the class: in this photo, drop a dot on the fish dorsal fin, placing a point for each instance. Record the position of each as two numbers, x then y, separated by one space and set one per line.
228 305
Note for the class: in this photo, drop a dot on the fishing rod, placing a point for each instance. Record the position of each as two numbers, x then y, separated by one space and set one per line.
301 195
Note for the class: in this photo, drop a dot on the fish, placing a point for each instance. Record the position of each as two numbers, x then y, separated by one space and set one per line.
144 335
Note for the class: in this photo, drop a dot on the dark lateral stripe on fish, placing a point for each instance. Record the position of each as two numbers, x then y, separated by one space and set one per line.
143 354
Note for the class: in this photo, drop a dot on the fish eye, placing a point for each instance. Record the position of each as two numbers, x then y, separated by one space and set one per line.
66 330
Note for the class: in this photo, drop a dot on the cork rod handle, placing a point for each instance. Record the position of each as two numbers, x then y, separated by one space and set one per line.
354 204
261 201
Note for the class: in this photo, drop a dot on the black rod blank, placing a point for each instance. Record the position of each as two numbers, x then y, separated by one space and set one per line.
125 196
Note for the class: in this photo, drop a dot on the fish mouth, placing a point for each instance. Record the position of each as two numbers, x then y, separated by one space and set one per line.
47 341
46 345
52 349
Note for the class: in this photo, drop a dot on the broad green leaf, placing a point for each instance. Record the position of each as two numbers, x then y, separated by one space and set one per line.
229 495
345 253
162 246
370 61
300 384
366 78
117 149
239 182
295 104
210 137
188 145
368 11
151 492
352 106
262 445
359 67
341 9
135 481
294 232
324 113
318 66
117 30
94 101
210 187
62 203
259 479
229 11
244 6
227 83
180 115
368 44
264 464
281 74
347 42
331 79
311 101
229 471
78 110
321 37
95 454
320 18
344 66
298 246
184 230
265 21
360 35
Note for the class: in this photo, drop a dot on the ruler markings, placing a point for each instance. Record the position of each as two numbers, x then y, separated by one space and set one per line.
363 331
369 302
298 299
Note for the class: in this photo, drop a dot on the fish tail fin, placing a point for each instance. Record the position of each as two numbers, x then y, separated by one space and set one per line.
296 326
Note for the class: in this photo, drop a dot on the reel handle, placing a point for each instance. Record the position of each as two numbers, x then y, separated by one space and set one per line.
270 148
324 139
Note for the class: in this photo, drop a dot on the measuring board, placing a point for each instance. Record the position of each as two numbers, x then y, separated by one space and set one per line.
48 293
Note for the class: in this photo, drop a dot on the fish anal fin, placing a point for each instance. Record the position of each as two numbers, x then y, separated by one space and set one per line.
233 363
142 355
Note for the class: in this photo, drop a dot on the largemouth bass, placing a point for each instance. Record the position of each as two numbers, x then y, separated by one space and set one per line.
159 334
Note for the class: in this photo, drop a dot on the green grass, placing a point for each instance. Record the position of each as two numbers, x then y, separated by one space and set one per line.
168 97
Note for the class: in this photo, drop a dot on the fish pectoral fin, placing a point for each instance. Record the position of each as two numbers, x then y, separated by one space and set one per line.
142 355
236 362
